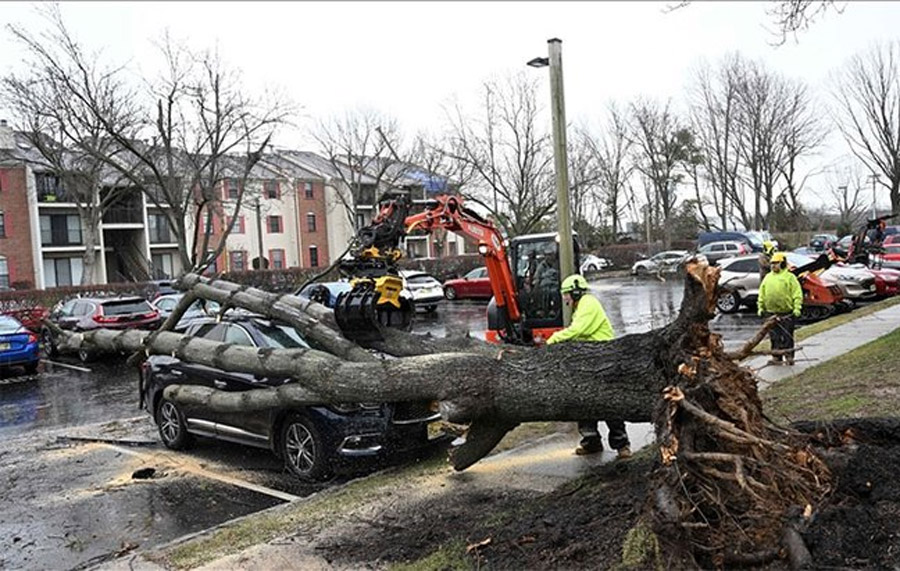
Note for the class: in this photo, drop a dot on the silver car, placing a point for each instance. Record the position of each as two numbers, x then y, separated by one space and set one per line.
667 261
425 291
738 283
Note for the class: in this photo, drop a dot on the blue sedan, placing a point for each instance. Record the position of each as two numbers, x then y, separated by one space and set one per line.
18 345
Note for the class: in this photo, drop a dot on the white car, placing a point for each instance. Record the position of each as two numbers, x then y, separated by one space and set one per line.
667 261
592 263
857 282
425 291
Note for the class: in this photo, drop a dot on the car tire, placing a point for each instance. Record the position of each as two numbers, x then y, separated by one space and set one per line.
591 268
303 449
85 356
172 426
641 271
450 293
728 302
48 345
31 368
430 309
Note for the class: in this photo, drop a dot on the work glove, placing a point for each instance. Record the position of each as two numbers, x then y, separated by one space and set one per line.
759 312
796 314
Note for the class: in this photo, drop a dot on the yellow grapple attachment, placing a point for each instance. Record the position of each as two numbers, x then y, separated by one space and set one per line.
373 303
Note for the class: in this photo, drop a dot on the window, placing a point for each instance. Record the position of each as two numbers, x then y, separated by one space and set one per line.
209 223
60 230
274 224
158 226
237 261
308 190
310 222
4 273
62 271
161 266
277 259
314 256
238 227
48 188
2 225
232 188
360 220
270 189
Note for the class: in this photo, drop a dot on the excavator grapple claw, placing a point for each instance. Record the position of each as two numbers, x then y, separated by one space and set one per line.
371 305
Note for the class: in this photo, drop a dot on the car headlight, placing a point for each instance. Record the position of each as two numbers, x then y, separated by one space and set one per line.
345 407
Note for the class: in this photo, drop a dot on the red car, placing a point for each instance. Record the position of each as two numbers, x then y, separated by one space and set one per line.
891 257
887 281
475 284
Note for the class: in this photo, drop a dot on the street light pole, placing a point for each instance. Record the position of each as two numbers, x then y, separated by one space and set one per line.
561 162
874 178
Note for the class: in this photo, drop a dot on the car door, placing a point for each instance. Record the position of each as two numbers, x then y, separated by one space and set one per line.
65 316
482 284
183 372
249 428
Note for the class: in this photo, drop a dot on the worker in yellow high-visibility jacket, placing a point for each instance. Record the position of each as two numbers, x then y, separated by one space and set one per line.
780 294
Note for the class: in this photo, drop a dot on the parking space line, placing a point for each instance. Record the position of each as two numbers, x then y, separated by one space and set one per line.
66 366
218 477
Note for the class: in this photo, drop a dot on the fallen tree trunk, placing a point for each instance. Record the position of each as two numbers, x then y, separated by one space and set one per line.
727 478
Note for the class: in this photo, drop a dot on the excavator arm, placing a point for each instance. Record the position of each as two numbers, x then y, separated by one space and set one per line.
375 300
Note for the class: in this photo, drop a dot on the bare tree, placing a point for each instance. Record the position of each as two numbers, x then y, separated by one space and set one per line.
53 109
612 150
713 109
584 184
846 190
868 112
662 144
363 147
509 155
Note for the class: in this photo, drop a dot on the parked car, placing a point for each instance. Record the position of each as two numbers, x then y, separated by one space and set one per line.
165 304
325 293
822 242
715 251
314 441
705 238
667 261
857 282
31 317
891 256
739 286
891 239
425 291
18 345
475 284
88 313
591 263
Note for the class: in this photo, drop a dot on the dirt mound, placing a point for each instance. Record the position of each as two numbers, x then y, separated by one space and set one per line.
585 523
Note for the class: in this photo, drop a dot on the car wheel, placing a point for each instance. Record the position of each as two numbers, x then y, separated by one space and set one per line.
591 268
172 427
431 309
31 368
450 293
48 347
728 302
303 449
641 271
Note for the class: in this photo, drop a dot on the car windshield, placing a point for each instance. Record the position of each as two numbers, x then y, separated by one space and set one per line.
278 336
476 273
126 306
892 249
421 279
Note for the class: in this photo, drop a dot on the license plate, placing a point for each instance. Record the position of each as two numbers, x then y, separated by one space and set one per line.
4 346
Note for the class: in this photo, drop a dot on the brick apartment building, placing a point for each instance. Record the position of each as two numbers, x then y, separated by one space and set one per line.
291 214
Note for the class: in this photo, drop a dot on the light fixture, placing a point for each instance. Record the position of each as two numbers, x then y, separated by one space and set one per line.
482 249
539 62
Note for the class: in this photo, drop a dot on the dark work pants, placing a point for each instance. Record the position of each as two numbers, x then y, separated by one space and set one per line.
618 437
782 335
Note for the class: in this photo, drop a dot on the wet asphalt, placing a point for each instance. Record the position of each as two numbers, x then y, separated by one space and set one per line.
72 503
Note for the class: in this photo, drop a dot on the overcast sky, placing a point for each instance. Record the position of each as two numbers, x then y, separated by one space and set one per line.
408 59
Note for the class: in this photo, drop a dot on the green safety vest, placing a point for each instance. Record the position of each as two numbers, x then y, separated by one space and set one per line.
589 323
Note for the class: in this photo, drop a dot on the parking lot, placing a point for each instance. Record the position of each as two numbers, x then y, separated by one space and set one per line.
86 476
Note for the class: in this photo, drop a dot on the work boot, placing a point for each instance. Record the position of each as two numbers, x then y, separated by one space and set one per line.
774 361
624 453
589 445
789 361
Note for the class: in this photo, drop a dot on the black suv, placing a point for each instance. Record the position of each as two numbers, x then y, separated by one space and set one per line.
315 441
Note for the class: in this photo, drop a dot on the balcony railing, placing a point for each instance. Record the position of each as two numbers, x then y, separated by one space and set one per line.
123 215
58 195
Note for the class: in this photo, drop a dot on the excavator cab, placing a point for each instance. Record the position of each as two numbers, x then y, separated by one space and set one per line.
534 260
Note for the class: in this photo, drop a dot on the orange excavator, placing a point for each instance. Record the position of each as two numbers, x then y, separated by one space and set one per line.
523 271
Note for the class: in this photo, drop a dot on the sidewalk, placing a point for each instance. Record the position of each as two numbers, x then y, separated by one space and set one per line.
539 467
827 345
